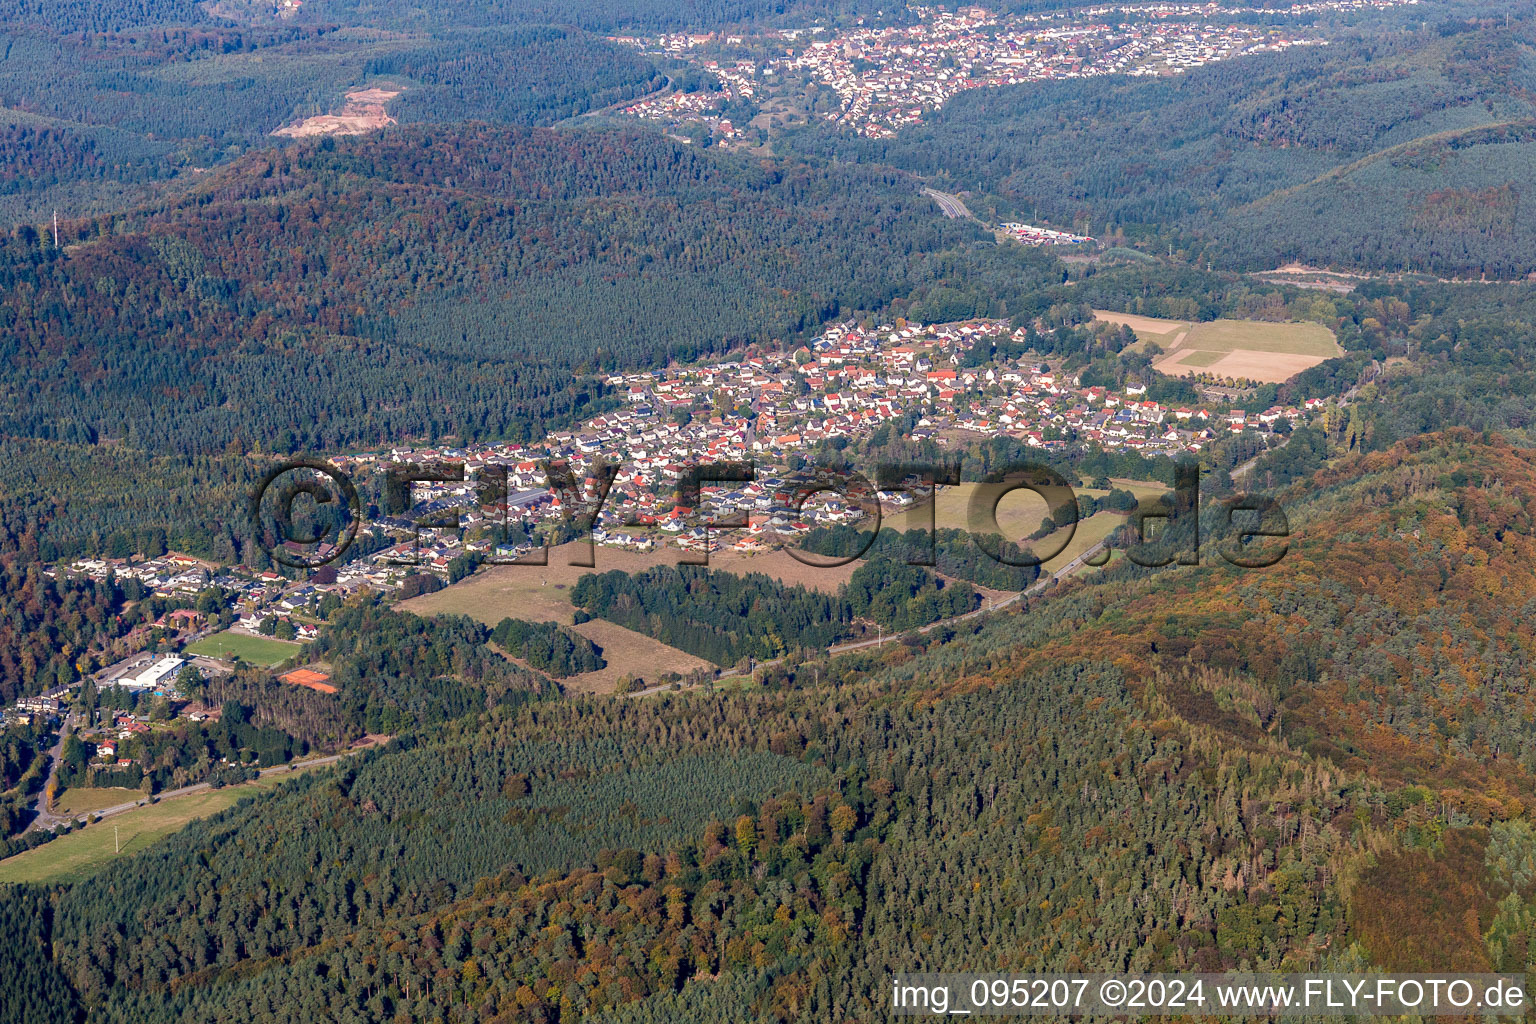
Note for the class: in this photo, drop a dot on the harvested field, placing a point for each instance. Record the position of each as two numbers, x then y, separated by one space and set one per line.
785 568
1140 324
1232 349
539 593
535 593
1262 366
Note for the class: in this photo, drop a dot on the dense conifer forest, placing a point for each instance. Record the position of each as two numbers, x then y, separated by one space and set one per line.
461 252
727 618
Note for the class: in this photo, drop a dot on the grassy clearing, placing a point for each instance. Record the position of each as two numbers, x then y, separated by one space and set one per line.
534 593
257 650
1202 359
734 683
537 593
82 800
1296 339
628 652
1088 533
1018 513
86 851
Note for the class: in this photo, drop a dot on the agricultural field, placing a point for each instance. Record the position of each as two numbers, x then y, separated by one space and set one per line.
1144 326
785 568
1252 350
257 650
541 593
534 593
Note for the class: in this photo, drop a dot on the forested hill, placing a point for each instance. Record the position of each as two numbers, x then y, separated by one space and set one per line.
108 16
606 16
1425 136
592 15
1392 638
441 282
104 104
1286 762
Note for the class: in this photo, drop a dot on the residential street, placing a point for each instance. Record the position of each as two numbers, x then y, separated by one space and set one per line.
44 818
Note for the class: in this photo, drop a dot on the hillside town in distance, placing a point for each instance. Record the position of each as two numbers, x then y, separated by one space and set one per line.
873 81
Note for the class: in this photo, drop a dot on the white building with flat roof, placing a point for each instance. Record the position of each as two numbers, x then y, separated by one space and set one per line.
159 674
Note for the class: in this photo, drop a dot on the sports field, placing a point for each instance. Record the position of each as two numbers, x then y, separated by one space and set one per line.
257 650
1254 350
